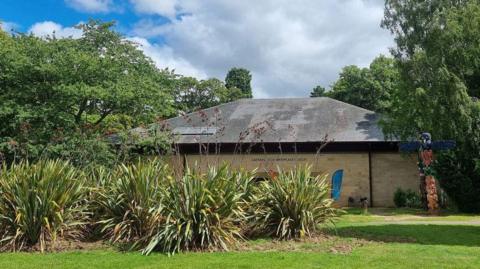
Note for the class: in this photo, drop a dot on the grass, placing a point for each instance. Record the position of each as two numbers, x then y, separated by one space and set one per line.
376 240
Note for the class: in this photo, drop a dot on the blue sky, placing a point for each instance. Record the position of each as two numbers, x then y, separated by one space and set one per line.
25 13
289 46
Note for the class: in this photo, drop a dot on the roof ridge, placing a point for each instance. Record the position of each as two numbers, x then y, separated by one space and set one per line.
345 103
280 98
303 98
243 100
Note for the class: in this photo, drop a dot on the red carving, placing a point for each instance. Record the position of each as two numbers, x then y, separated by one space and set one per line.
432 197
427 157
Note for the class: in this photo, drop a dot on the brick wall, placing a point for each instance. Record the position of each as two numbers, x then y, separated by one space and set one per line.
389 170
355 166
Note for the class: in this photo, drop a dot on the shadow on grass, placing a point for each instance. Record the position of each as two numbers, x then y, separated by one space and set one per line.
428 234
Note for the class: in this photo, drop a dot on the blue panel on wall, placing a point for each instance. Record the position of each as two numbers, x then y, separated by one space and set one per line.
337 184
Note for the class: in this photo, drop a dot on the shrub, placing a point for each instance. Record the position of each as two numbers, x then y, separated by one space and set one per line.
292 204
458 173
407 198
399 198
129 201
202 211
39 202
412 199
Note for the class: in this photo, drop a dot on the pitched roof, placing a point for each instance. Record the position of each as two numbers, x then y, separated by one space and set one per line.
278 120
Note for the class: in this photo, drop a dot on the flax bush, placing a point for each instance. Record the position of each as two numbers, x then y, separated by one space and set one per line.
146 206
40 202
143 206
292 204
203 211
129 201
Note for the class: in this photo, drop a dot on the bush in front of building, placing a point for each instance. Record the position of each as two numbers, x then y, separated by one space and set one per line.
128 201
146 206
40 203
407 198
292 204
399 198
202 211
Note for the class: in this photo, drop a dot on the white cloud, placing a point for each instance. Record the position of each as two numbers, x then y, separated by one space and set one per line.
48 28
289 46
8 26
166 8
164 57
148 28
91 6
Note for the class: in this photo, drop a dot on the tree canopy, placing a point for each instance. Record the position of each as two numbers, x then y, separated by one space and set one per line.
63 97
438 52
370 87
239 78
191 94
440 76
318 91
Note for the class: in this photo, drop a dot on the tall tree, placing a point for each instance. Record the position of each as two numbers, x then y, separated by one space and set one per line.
240 78
54 91
370 87
318 91
438 50
191 94
439 65
413 23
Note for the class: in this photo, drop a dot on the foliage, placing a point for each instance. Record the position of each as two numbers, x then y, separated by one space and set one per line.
39 202
147 206
429 93
292 204
318 91
56 90
239 78
65 97
459 177
414 22
369 88
458 171
437 52
202 211
83 149
129 201
192 95
406 198
439 67
399 198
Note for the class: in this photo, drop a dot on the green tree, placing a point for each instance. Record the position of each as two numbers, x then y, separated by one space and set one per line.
440 76
192 94
58 91
370 87
438 51
413 22
318 91
240 78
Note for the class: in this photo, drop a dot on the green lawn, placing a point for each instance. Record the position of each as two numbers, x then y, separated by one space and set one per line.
381 239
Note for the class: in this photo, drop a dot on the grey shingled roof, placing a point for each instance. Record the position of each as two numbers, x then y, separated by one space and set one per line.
278 120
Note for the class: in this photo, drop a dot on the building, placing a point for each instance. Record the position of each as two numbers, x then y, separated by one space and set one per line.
325 133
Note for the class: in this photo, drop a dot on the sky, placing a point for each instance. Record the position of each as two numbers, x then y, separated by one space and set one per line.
289 46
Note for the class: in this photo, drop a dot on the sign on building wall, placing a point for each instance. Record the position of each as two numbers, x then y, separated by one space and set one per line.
354 165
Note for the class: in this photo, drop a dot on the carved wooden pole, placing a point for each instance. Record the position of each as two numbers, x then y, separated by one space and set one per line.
428 187
424 149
